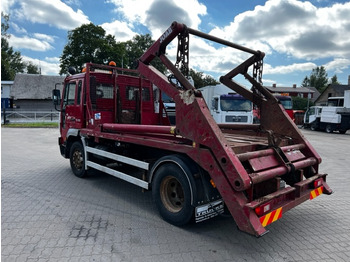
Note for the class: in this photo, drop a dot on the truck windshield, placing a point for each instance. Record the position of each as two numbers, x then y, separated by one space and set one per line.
234 103
286 101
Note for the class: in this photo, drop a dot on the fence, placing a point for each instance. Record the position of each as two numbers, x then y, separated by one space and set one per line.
17 116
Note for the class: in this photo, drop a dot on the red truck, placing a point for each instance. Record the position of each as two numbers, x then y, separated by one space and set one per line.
113 117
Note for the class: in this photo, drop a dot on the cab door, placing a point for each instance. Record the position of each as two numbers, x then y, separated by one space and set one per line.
72 113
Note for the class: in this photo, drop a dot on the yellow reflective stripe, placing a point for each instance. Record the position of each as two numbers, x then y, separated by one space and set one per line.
277 214
266 220
271 217
316 192
313 194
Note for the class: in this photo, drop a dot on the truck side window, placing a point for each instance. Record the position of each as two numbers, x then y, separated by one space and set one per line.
69 96
79 92
146 96
130 93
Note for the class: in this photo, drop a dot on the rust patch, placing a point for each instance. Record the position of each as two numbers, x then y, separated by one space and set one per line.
187 96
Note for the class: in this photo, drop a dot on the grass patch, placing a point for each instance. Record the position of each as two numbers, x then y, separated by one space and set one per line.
32 125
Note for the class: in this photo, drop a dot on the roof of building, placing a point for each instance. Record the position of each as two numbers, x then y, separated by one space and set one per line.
6 82
316 93
284 89
337 90
30 86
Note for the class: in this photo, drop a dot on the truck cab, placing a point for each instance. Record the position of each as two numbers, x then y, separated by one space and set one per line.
232 108
328 118
287 103
105 94
312 117
227 106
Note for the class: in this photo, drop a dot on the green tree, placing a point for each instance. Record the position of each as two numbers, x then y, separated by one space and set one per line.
300 103
334 80
32 69
11 61
318 79
201 80
89 43
136 47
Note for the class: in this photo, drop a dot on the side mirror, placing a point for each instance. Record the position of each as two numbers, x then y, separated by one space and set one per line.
56 97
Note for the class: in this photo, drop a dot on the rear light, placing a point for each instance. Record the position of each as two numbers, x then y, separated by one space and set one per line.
260 210
318 182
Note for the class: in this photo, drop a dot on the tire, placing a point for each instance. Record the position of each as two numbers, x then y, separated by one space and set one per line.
329 128
77 159
313 127
172 194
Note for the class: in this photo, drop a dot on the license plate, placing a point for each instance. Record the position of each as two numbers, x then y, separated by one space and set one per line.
209 210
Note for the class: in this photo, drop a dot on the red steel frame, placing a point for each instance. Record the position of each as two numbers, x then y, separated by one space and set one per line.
213 146
211 150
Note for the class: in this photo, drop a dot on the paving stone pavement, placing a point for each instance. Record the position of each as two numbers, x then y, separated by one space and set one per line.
48 214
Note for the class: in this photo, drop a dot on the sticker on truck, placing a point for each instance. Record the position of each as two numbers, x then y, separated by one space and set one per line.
209 210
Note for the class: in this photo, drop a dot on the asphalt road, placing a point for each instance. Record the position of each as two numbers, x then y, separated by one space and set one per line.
48 214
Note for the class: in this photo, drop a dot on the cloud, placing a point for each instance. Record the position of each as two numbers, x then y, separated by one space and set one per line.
46 38
338 65
73 2
47 66
6 5
29 43
53 12
268 69
52 59
19 30
157 15
121 30
297 28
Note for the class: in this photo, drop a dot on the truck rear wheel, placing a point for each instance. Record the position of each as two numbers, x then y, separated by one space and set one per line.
172 194
77 159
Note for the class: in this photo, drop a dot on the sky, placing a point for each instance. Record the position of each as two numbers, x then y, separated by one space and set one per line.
296 36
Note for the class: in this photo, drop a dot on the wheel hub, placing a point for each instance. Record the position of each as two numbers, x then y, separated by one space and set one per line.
172 194
78 159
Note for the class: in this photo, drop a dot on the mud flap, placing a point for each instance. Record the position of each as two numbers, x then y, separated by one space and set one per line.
209 210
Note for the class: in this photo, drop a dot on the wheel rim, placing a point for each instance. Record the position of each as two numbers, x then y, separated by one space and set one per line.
78 159
172 194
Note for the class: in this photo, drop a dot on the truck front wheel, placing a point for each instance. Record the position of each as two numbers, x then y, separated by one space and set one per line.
172 194
313 127
329 128
77 159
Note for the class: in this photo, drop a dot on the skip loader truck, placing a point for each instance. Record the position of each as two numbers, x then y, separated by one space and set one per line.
112 121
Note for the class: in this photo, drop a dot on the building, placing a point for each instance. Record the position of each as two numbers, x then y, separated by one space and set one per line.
332 91
5 94
305 92
34 92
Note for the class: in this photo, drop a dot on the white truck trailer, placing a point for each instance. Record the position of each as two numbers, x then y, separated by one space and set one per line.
329 118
